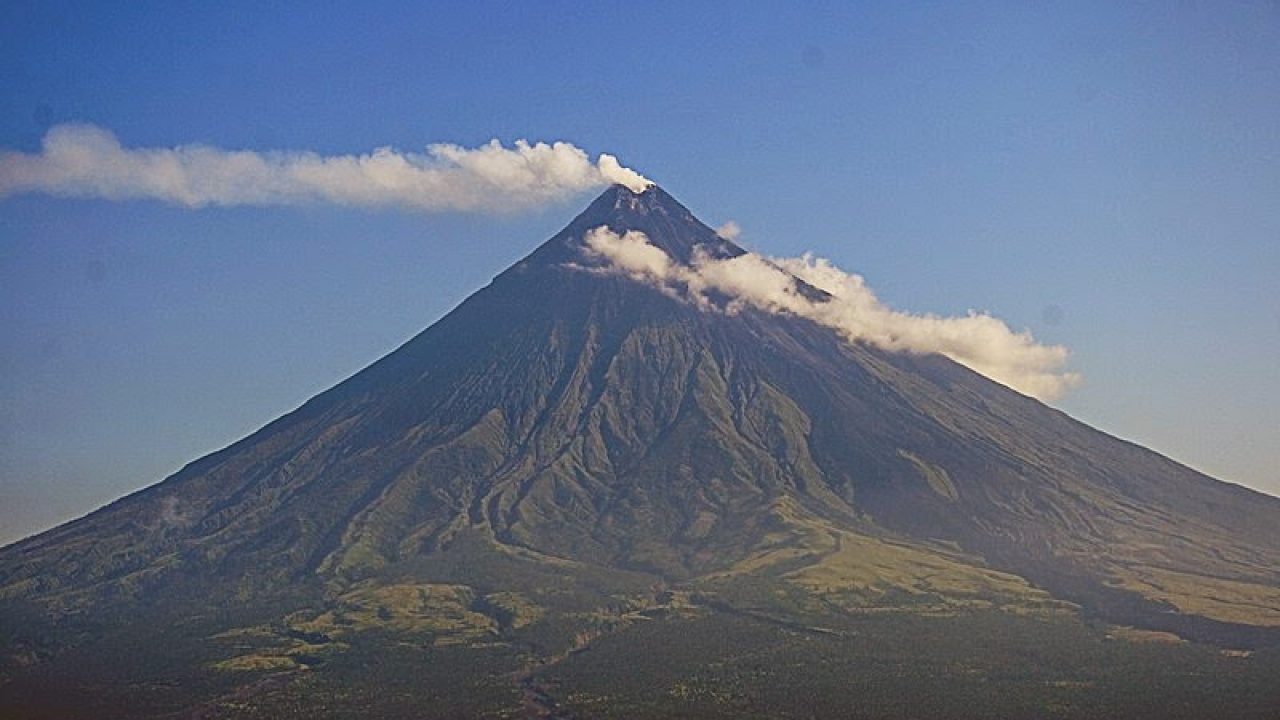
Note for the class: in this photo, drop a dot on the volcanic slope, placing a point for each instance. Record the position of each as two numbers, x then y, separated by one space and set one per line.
573 460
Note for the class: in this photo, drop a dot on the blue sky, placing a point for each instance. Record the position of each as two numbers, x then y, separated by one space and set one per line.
1106 176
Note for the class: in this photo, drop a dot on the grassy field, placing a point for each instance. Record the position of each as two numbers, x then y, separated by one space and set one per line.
972 665
768 649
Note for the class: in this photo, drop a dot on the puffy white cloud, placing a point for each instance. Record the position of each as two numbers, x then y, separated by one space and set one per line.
729 231
977 340
88 161
632 254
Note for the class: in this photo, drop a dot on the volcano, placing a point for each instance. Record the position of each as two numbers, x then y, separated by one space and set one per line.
579 496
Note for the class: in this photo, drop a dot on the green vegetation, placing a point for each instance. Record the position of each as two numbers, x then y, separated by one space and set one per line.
969 665
1217 598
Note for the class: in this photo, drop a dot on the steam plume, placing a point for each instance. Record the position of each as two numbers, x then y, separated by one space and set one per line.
977 340
88 161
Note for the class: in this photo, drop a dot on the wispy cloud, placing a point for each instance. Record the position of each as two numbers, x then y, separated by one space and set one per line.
89 161
729 231
977 340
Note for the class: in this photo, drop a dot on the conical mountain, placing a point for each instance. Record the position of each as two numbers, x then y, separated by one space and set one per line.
570 452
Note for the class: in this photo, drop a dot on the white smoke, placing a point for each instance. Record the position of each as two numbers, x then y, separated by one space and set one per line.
88 161
976 340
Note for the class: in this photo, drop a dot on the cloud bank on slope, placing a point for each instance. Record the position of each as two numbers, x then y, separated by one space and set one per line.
729 231
88 161
977 340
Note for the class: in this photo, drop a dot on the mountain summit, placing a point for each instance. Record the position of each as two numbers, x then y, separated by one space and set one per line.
668 225
575 461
